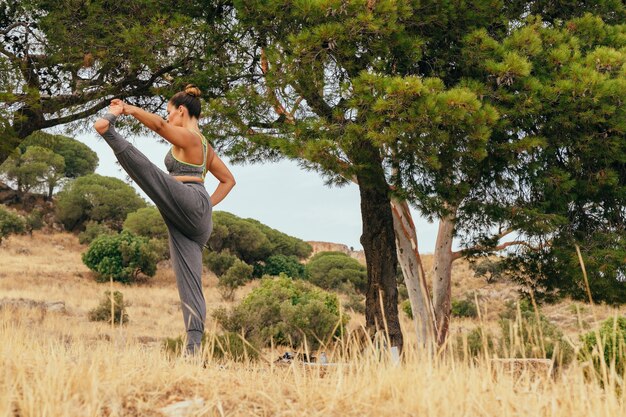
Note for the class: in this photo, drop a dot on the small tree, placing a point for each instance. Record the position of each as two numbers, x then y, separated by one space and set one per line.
95 197
33 167
103 311
236 276
219 262
121 257
10 223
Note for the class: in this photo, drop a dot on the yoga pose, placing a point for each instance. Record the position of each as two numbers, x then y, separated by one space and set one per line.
180 195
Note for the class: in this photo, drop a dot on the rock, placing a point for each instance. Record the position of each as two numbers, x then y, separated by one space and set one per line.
183 408
53 306
337 247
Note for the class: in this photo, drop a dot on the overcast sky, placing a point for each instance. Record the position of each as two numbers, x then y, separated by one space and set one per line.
281 195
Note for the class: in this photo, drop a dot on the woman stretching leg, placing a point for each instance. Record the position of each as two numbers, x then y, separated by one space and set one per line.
180 196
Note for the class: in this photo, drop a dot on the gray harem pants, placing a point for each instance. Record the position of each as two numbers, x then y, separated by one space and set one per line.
186 210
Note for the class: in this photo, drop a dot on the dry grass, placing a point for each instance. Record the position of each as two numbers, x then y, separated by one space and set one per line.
60 364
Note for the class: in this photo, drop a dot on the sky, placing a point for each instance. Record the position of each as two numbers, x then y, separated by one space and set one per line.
280 195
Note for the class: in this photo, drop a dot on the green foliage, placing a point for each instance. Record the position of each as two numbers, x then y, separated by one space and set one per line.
251 241
103 311
33 167
228 346
219 262
491 270
476 343
121 256
528 334
10 223
94 197
129 49
355 302
285 312
610 348
406 307
332 270
79 158
92 231
465 307
237 275
34 220
148 222
277 264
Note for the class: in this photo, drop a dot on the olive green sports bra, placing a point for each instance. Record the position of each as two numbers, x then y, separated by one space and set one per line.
177 168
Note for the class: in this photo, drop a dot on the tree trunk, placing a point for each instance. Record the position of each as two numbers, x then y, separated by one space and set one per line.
413 272
378 240
442 276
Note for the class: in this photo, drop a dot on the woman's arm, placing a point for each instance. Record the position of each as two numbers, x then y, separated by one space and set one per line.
220 171
176 135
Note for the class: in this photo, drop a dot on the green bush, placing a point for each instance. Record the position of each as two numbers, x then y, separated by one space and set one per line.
523 336
355 302
219 262
10 223
464 308
406 307
277 264
612 344
476 340
92 231
146 222
34 221
331 270
227 346
122 256
286 312
236 276
103 311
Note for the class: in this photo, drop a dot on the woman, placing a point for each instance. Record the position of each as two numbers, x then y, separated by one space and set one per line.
180 195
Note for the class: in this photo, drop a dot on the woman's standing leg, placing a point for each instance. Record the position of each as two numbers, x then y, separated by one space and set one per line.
186 256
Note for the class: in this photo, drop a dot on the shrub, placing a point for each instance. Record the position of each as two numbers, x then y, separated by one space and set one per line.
329 270
146 222
227 346
355 302
277 264
406 307
464 308
34 221
286 312
10 223
612 344
103 311
92 231
236 276
523 336
122 256
219 262
473 343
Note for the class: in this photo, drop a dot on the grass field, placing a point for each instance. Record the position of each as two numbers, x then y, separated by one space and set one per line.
61 364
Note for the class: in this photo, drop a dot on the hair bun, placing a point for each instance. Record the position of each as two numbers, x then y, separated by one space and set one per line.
192 90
